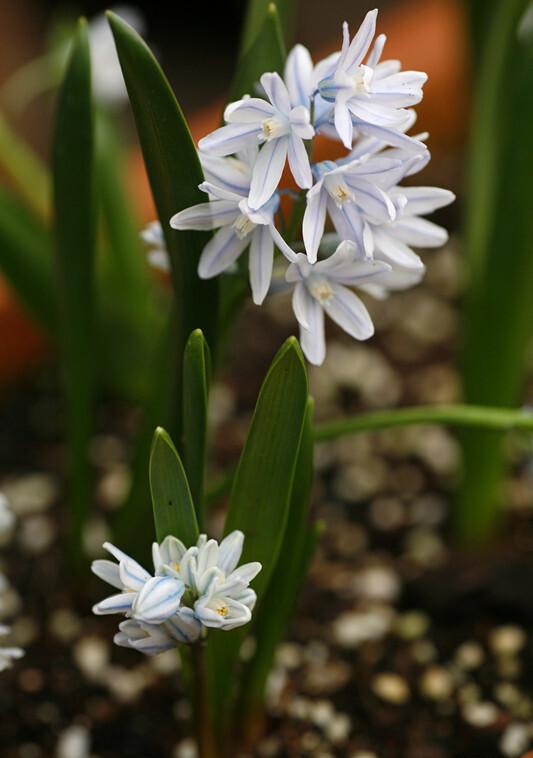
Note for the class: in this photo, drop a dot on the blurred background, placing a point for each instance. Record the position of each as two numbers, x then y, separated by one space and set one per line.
412 635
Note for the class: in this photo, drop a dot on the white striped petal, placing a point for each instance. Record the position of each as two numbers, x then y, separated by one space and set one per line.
391 136
267 171
419 232
394 251
343 124
361 41
228 139
132 574
313 338
301 304
221 252
298 75
282 246
206 216
372 199
249 110
230 551
184 626
260 261
421 200
276 91
377 50
232 174
347 310
108 571
159 598
299 162
314 220
115 604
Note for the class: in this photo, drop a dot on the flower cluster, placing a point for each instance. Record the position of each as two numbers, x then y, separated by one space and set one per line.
365 103
192 589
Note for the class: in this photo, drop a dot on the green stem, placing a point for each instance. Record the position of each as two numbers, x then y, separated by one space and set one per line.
201 713
454 415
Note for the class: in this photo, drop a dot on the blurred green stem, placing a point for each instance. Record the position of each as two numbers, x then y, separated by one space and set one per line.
453 415
201 713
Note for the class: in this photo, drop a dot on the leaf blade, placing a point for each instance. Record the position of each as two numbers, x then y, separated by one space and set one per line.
172 503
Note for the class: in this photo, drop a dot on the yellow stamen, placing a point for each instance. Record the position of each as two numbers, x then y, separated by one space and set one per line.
222 610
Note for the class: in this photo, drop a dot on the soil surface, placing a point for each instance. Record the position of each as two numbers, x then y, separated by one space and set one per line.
402 646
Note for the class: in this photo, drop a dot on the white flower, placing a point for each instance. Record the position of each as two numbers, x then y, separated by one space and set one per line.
152 639
8 654
322 287
302 79
152 236
107 79
280 127
239 226
352 195
146 598
372 94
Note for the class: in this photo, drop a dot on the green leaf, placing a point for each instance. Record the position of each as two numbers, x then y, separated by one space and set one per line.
26 259
74 225
261 494
276 610
25 169
174 172
196 378
266 53
498 312
258 10
171 497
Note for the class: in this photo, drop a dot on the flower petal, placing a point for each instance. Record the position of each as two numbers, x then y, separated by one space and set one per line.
261 259
121 603
230 551
267 171
299 162
361 41
184 626
313 339
205 216
343 124
159 598
276 91
298 75
230 173
314 220
221 252
347 310
108 571
394 251
249 110
132 574
228 139
421 200
419 232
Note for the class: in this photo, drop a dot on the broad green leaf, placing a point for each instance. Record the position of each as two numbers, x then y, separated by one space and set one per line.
498 314
266 53
74 226
261 494
174 172
196 378
171 497
26 259
275 612
25 169
256 12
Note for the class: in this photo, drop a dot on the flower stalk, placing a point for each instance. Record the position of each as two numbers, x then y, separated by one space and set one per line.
203 723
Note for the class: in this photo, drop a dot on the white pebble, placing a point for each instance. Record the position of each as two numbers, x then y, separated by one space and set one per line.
186 749
353 628
92 656
32 493
338 728
507 640
481 714
514 740
391 688
469 656
73 742
36 534
377 583
7 521
320 712
436 683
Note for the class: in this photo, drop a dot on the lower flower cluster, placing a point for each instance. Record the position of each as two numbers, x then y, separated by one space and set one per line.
192 589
